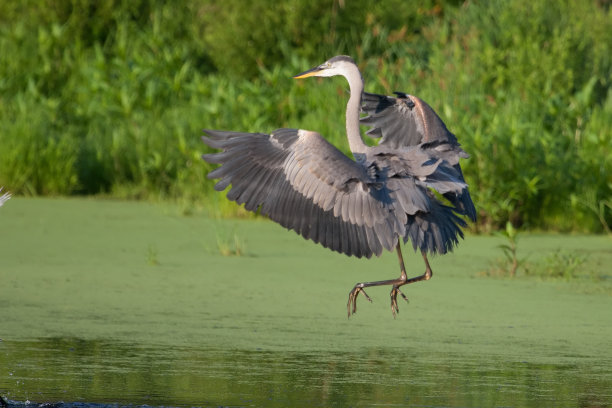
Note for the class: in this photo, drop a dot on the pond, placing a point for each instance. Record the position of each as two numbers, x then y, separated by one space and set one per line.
75 370
115 303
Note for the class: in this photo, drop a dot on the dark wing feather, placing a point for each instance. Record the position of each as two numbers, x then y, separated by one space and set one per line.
305 184
404 121
430 225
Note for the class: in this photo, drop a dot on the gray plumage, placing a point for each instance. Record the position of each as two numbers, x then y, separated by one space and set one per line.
408 121
356 207
306 184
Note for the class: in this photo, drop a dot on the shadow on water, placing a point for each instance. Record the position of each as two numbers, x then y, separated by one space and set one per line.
102 373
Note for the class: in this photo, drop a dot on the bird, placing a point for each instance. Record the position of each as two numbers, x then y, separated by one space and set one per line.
4 197
407 187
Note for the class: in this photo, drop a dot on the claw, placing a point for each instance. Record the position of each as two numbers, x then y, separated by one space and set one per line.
394 307
353 299
351 306
404 296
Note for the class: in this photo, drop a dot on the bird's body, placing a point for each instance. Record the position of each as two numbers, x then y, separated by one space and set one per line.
357 207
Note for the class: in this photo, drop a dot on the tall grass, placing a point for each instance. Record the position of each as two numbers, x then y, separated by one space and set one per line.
111 96
528 84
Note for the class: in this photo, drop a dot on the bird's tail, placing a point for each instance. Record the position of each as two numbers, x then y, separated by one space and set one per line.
437 231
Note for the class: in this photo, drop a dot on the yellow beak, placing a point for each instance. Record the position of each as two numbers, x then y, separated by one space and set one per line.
309 73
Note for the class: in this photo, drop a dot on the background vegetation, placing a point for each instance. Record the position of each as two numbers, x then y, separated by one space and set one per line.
110 97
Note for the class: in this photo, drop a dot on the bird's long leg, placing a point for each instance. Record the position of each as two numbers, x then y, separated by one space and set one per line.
395 289
395 283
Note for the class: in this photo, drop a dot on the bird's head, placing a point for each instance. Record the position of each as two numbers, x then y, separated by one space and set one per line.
338 65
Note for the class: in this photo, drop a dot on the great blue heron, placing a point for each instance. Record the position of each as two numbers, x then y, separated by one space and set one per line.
356 207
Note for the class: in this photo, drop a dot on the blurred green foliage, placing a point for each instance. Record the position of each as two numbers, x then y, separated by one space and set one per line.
110 96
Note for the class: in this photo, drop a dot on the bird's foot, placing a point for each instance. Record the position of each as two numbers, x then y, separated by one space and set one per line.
394 308
351 306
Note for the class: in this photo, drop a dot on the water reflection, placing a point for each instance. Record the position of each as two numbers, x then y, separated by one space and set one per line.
108 372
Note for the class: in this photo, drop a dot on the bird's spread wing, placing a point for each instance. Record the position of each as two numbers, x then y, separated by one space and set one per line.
403 121
304 183
4 197
406 121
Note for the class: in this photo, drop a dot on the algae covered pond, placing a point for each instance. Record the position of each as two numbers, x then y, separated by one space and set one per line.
130 303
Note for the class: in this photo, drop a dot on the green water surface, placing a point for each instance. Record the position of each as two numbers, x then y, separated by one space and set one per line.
116 302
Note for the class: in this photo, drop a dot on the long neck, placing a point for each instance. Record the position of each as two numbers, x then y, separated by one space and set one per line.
353 107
